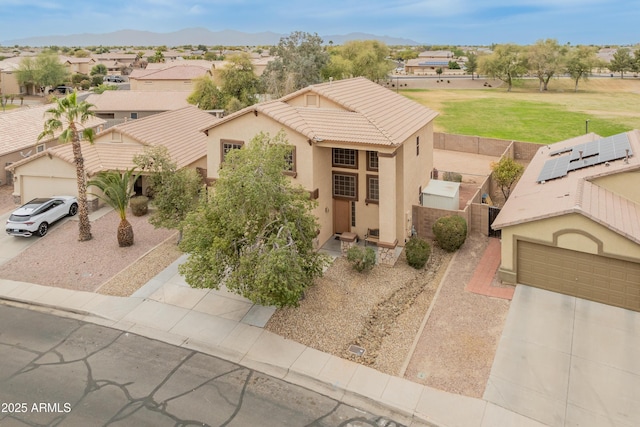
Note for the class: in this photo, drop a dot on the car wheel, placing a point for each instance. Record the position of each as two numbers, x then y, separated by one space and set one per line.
42 229
73 209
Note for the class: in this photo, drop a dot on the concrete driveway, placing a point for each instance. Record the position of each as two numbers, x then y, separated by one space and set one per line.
565 361
10 246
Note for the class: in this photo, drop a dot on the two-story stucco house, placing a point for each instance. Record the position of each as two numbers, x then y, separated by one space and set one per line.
362 151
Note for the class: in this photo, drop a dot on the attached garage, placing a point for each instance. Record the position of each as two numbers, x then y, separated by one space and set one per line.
597 278
44 186
572 224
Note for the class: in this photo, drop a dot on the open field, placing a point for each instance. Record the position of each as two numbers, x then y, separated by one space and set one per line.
610 104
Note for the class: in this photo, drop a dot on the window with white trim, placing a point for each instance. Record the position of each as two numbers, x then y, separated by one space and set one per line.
227 145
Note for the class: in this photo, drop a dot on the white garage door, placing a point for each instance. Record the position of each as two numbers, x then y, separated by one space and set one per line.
39 186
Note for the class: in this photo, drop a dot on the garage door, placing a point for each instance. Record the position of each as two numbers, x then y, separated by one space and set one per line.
596 278
40 186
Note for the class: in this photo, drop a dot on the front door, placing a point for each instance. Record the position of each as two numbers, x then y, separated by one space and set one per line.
341 216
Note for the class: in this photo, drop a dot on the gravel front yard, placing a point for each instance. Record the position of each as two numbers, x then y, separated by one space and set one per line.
58 259
380 311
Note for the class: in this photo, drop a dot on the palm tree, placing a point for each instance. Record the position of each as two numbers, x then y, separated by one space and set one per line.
69 115
117 189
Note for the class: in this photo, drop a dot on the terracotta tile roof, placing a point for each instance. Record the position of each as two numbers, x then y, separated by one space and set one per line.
133 100
177 130
325 124
99 156
20 128
396 116
176 72
374 114
203 63
575 193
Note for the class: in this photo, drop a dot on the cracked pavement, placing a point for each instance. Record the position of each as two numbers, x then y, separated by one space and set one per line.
57 371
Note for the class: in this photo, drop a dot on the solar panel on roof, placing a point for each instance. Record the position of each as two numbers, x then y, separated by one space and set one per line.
554 168
584 155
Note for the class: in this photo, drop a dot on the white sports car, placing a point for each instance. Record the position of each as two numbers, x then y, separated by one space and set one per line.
36 216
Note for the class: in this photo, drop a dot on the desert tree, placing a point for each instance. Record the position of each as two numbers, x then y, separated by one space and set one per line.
580 62
546 59
206 95
506 173
621 62
300 58
367 58
507 63
174 190
255 232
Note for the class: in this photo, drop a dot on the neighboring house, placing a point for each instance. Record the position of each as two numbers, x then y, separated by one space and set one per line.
572 224
117 106
53 171
78 65
120 58
362 151
429 61
19 131
8 77
174 78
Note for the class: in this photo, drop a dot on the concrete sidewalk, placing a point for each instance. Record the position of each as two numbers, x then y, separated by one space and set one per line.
228 326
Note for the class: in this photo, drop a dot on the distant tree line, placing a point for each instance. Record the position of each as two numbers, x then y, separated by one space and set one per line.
546 59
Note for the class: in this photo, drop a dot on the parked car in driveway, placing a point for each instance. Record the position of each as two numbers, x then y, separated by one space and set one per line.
36 216
115 79
64 90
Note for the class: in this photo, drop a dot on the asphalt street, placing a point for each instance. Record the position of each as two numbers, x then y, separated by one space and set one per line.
58 371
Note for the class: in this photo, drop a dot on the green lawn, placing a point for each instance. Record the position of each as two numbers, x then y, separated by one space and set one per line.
611 105
521 120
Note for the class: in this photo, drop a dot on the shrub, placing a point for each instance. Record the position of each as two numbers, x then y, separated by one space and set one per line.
362 259
96 80
417 251
139 205
452 176
450 232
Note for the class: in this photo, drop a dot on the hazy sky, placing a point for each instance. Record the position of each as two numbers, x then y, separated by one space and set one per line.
429 21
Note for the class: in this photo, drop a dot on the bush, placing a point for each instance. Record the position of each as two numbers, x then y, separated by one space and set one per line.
450 232
417 251
452 176
96 80
139 205
362 259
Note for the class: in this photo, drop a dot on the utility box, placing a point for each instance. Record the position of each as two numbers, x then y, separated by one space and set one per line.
442 195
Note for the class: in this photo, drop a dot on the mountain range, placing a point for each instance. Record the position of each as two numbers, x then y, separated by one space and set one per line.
187 36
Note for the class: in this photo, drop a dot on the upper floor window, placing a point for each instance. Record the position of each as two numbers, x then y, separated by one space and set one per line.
372 160
227 145
417 145
134 115
290 159
345 158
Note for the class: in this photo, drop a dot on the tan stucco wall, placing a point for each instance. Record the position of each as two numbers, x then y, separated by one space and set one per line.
9 84
623 184
414 172
301 101
583 235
